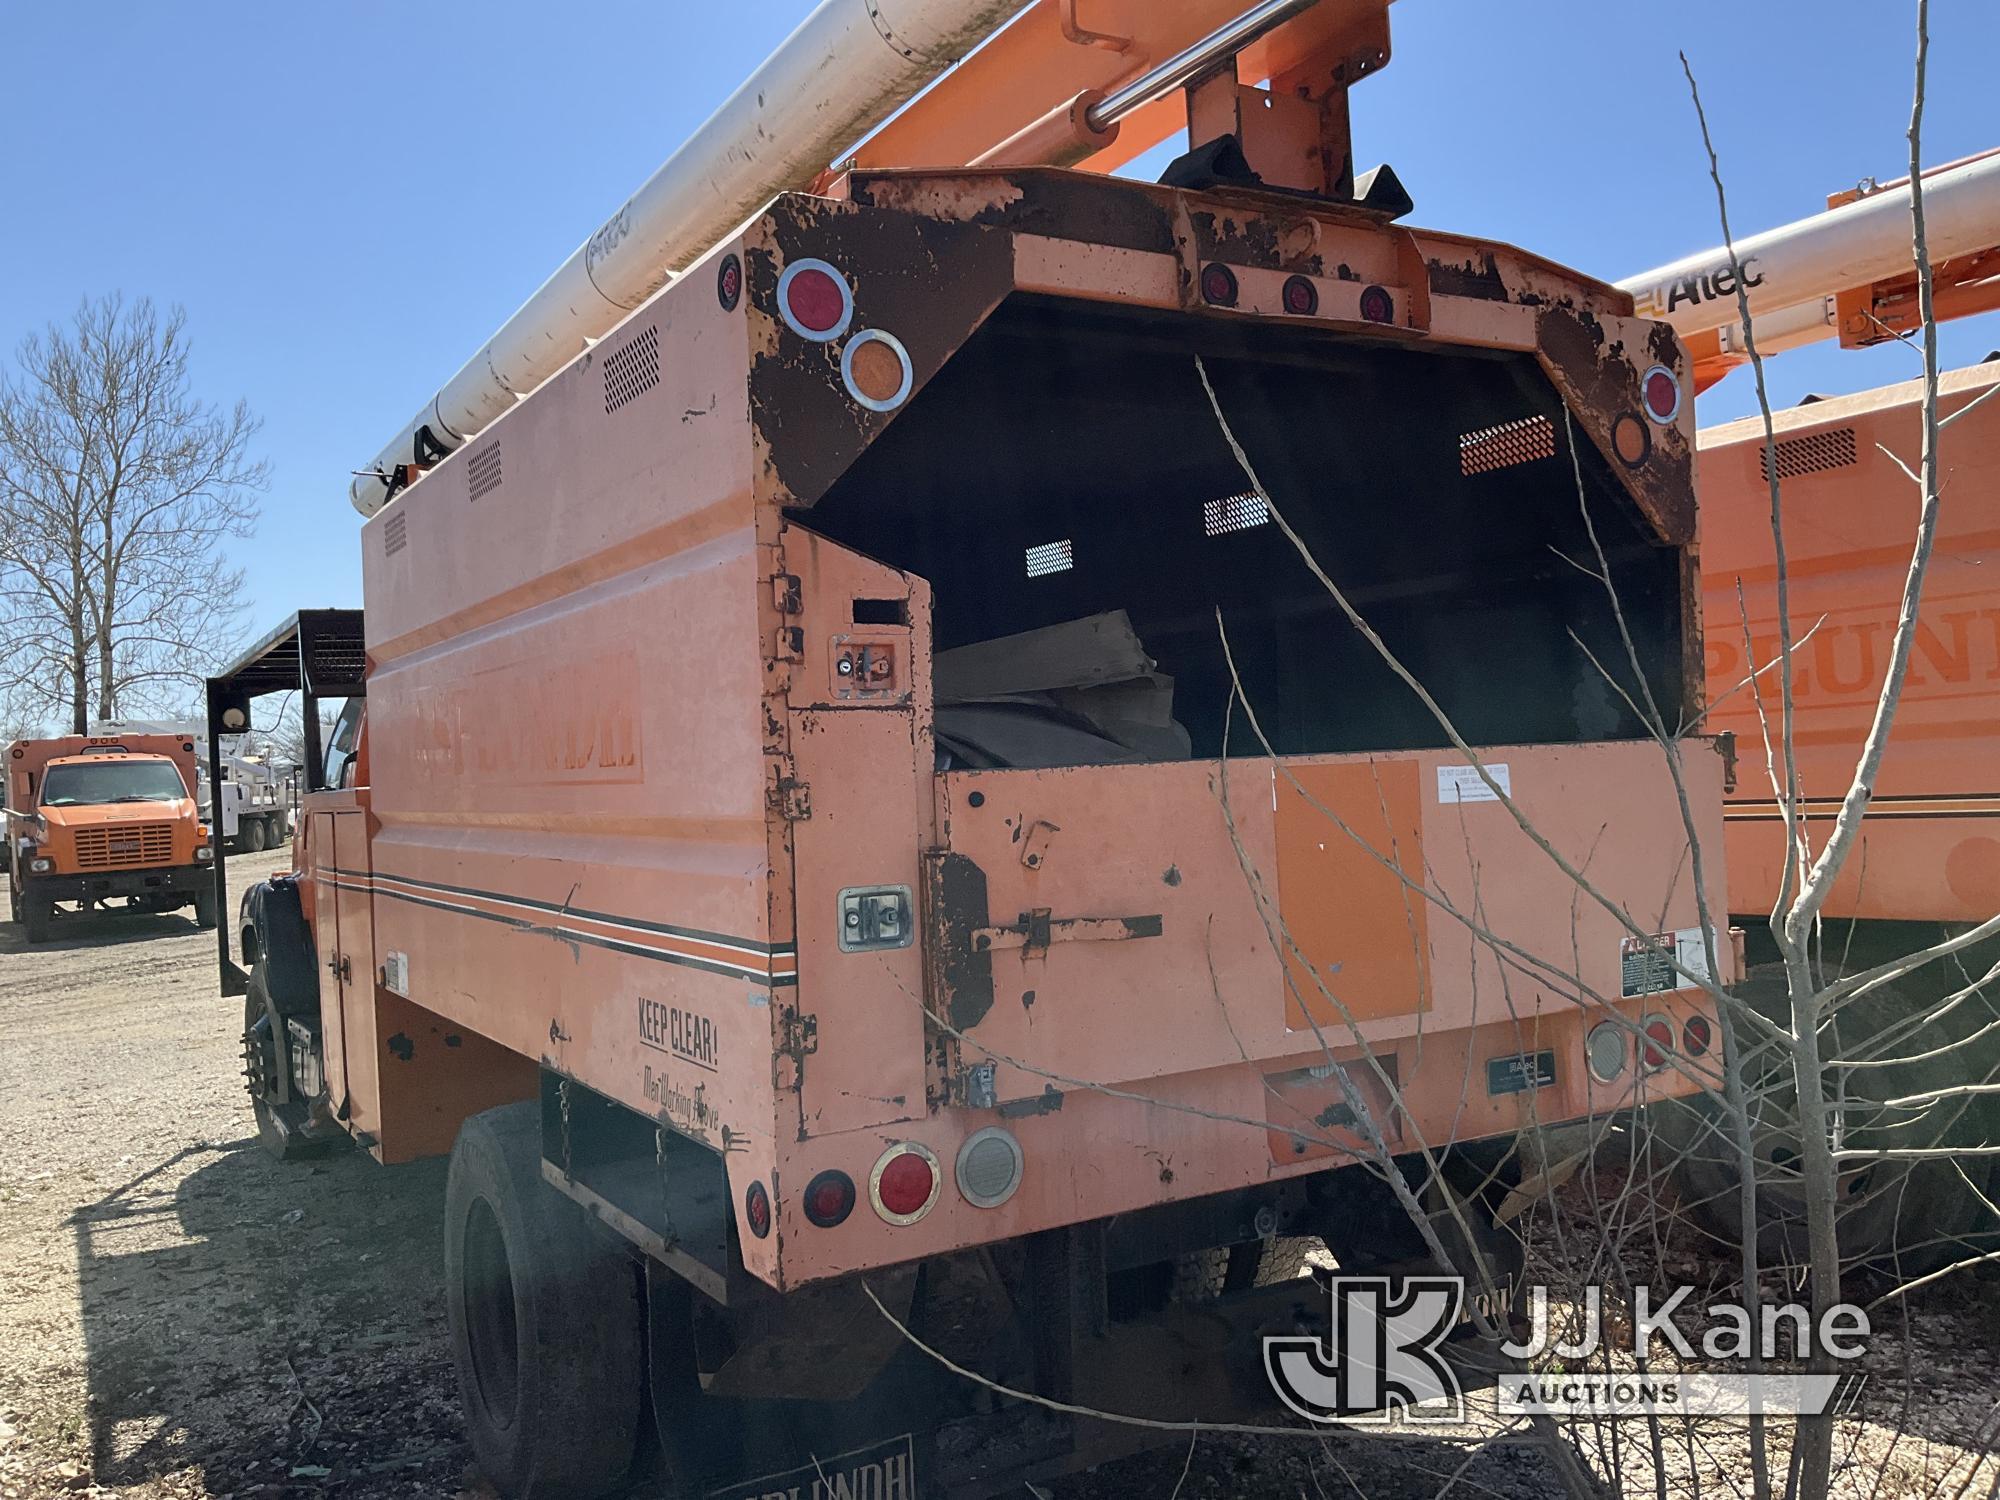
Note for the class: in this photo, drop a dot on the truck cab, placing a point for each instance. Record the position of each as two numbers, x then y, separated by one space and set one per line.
91 820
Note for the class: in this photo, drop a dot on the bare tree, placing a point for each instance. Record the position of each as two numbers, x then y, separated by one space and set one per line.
118 486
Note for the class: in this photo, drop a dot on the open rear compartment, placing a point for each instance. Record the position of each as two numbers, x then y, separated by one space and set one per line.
1067 464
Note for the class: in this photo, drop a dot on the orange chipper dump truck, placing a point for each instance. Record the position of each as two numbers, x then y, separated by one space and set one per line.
91 820
794 842
1928 859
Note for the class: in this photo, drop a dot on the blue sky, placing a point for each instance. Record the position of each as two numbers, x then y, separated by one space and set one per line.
349 196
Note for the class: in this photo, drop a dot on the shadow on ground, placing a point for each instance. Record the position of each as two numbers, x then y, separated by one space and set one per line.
69 932
276 1327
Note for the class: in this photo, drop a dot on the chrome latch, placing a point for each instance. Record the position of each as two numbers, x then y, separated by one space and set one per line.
876 918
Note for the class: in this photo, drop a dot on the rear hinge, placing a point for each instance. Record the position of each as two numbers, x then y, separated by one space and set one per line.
798 1033
786 793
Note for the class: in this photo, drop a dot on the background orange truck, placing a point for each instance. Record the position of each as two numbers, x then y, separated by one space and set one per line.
854 822
103 823
1928 861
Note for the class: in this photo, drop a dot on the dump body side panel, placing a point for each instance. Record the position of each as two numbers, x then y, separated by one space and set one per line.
565 733
1930 847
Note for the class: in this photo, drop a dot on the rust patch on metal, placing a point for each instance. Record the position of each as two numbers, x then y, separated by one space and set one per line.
1480 279
1061 205
1240 238
962 970
984 198
929 282
1598 377
1047 1102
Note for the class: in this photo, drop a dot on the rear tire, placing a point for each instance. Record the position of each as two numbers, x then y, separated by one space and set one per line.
35 914
545 1320
253 835
1908 1217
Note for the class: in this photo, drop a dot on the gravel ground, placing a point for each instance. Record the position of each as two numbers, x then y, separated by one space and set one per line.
181 1316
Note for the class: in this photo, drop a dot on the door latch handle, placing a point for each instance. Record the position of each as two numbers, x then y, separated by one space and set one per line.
339 967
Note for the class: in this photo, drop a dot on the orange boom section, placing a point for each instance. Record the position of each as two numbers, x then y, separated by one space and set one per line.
860 720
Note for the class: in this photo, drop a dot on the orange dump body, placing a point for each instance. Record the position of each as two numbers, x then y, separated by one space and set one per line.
82 833
1930 847
684 703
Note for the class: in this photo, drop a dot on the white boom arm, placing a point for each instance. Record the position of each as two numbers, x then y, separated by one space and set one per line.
1791 272
849 66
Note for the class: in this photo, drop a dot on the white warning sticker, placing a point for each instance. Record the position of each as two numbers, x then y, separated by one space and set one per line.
396 974
1465 784
1662 963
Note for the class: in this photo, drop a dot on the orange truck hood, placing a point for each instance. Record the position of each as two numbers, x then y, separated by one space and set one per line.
97 815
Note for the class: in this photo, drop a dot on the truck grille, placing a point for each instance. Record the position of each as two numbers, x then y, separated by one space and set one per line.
128 848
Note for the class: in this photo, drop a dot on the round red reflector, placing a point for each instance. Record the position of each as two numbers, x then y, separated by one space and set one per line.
1663 394
1697 1036
1377 306
1218 285
757 1209
907 1183
904 1183
729 283
814 300
1301 297
829 1199
1659 1044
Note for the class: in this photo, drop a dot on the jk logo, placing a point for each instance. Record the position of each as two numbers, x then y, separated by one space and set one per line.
1382 1357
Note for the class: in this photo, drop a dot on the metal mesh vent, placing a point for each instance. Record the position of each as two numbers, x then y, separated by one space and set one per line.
1050 557
1234 513
482 471
395 533
1813 453
1506 444
632 371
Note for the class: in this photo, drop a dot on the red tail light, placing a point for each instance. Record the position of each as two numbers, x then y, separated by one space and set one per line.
1697 1036
1377 306
815 301
1218 285
1658 1045
1662 394
1301 297
757 1209
829 1199
904 1183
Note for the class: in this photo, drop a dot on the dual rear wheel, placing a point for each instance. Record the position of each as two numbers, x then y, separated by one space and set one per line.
545 1315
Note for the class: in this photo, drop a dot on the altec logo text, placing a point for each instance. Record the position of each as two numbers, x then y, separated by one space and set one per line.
1707 286
1384 1358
